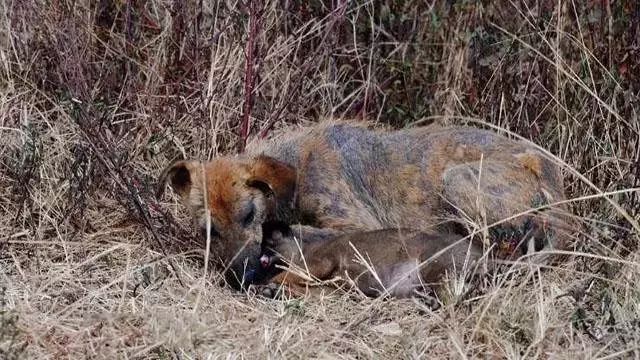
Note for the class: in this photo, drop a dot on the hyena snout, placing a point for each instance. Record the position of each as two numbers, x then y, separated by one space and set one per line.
246 269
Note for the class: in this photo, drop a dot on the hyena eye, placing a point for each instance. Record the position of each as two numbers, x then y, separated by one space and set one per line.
213 232
248 219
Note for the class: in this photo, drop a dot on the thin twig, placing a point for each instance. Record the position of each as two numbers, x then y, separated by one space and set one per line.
120 179
251 69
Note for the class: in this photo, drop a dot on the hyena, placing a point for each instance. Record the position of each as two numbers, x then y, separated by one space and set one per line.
337 177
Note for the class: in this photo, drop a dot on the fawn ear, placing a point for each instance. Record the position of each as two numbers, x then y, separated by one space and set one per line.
180 174
273 177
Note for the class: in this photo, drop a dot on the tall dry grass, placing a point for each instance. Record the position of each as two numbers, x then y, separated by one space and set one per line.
98 96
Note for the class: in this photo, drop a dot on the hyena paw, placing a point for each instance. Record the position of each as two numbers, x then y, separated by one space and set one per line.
530 235
527 234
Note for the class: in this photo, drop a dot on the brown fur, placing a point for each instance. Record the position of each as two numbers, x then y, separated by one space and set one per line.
399 262
337 177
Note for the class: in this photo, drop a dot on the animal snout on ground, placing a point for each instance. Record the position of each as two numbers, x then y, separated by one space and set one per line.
246 269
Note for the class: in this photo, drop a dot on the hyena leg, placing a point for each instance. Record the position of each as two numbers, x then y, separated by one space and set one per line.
505 192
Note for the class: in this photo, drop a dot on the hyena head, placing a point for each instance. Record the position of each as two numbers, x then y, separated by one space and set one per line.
237 195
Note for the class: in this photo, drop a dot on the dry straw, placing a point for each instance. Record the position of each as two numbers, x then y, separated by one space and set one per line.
96 97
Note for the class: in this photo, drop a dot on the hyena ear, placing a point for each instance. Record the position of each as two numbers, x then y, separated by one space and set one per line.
263 186
272 177
180 175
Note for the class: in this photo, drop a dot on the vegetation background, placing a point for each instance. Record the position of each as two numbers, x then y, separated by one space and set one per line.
97 96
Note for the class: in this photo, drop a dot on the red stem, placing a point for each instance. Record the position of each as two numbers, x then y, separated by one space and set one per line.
249 73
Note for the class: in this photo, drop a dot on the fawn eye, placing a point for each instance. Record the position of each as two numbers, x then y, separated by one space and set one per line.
248 219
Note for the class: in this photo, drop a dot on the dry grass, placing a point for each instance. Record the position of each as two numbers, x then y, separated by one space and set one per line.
97 96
